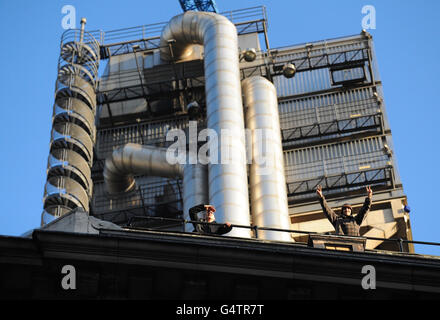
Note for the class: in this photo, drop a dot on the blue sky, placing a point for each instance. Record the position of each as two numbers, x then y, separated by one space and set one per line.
407 49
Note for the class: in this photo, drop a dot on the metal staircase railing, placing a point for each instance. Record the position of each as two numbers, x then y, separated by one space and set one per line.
69 184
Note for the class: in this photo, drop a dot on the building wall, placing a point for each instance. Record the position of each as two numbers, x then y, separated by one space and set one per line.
336 134
129 264
333 122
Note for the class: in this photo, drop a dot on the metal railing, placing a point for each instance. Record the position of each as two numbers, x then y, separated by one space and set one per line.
335 127
120 41
400 242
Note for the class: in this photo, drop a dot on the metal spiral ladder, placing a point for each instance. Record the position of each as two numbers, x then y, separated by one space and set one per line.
69 184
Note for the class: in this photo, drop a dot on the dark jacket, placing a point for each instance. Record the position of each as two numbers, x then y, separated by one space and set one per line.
346 225
208 227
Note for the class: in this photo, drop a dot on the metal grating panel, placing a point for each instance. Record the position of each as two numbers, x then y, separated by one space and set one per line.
350 156
332 115
150 194
315 64
147 133
327 107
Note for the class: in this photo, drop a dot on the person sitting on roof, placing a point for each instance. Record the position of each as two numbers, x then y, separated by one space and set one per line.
205 213
346 224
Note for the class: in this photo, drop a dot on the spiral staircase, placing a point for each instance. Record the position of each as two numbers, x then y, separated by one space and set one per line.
69 184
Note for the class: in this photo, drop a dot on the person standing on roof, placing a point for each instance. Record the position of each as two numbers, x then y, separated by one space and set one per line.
346 224
205 213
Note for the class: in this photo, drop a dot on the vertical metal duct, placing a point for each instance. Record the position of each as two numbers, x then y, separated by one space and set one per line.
134 159
228 187
69 184
267 181
195 188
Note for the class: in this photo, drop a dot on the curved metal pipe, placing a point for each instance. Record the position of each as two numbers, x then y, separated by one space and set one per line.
133 159
228 187
267 180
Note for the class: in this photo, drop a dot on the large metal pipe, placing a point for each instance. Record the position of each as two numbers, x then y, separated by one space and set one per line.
228 187
134 159
267 181
195 188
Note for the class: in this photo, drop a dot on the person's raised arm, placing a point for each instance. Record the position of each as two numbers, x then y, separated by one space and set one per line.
366 207
329 213
193 216
194 210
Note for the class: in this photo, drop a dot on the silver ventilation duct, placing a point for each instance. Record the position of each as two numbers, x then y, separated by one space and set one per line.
267 180
133 159
195 188
228 187
69 184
